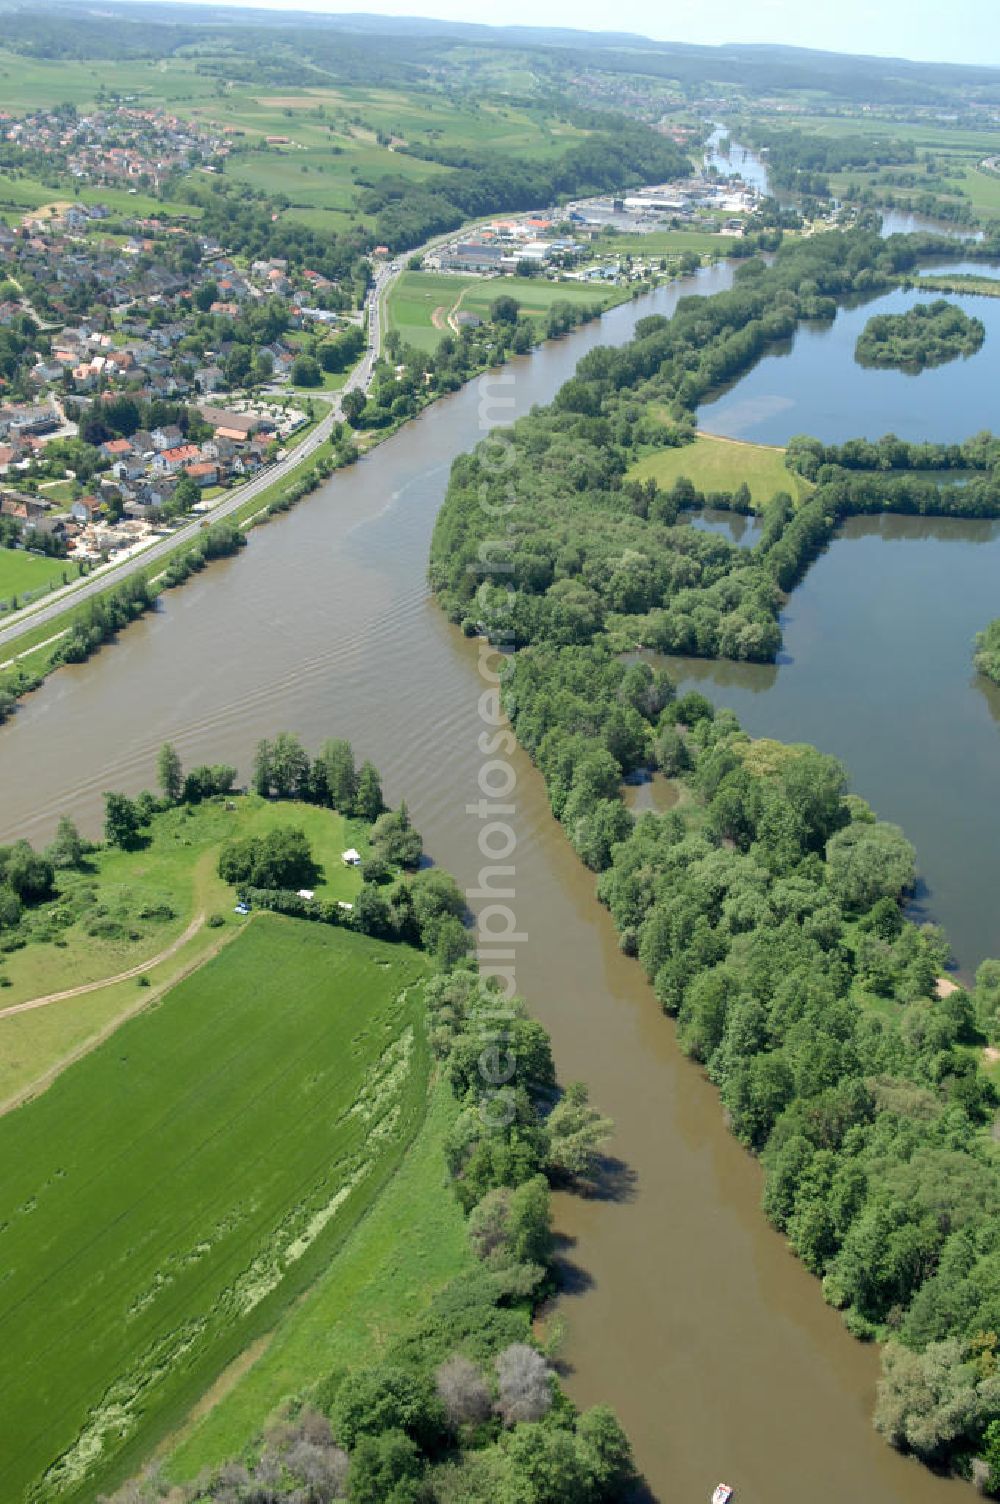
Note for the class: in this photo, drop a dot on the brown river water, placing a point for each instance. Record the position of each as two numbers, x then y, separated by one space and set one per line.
684 1310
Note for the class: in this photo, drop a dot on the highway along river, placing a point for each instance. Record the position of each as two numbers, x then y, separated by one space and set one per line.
684 1310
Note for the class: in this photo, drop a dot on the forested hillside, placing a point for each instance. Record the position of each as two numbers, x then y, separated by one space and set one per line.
618 155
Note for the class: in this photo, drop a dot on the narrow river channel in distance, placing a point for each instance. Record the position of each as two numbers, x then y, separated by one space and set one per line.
684 1310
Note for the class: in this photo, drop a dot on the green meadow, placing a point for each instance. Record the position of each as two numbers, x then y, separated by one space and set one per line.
23 573
172 1193
127 908
420 302
983 191
666 243
713 464
21 194
31 83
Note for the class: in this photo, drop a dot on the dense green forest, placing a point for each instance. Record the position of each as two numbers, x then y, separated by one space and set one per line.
928 334
544 537
987 655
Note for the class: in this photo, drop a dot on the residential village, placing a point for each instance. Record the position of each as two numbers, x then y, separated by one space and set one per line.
142 366
150 478
117 144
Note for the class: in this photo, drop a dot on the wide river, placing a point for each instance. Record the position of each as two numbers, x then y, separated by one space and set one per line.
684 1310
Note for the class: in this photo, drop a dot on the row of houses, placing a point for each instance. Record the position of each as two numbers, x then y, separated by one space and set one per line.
145 471
146 466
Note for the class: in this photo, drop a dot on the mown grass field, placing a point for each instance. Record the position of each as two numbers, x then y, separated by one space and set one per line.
142 903
411 1243
714 464
176 1189
662 243
420 302
22 572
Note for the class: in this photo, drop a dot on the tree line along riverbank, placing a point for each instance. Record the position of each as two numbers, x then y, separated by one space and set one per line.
768 908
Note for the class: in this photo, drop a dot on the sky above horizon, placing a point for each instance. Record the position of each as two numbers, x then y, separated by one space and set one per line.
967 32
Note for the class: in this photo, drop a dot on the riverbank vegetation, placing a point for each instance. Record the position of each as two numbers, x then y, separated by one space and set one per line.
974 458
916 166
414 374
462 1404
959 282
405 380
987 655
802 162
768 908
928 334
79 631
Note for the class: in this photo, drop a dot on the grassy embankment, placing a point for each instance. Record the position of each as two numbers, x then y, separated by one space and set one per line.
959 282
268 1100
410 1244
130 908
716 464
